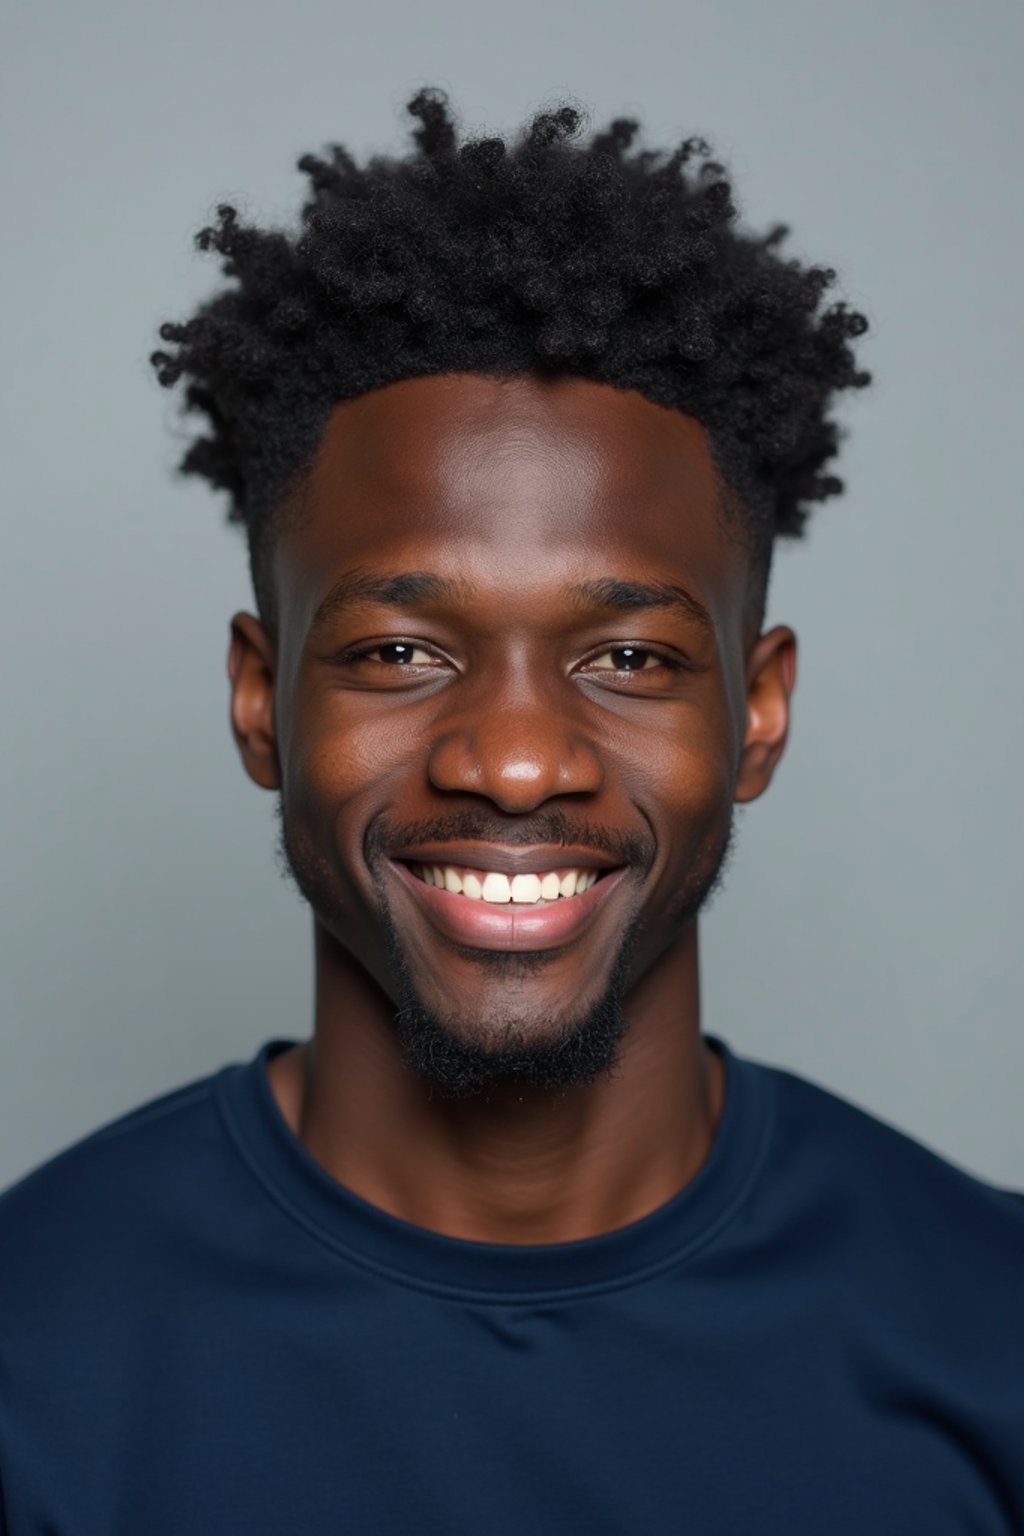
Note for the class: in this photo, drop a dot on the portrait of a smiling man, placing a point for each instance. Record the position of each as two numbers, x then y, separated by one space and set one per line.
511 1242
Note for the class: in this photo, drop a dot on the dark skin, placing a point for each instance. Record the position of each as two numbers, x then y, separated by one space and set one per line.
524 688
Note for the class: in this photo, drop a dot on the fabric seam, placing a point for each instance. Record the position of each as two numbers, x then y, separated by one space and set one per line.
468 1293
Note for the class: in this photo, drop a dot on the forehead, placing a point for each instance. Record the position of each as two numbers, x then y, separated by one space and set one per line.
513 478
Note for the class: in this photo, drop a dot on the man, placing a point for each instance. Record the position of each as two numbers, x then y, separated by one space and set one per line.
509 1244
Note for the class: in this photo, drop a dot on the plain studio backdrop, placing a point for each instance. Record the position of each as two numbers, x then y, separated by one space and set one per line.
868 931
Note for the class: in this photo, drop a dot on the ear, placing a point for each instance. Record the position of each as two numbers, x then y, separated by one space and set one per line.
771 678
251 664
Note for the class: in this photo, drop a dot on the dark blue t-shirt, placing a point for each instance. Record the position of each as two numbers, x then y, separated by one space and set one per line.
202 1333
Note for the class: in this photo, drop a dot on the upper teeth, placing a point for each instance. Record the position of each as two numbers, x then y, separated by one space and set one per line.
493 886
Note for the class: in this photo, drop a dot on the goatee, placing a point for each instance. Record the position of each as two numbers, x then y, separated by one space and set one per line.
459 1061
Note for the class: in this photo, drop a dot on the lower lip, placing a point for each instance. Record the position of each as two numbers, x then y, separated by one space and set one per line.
488 925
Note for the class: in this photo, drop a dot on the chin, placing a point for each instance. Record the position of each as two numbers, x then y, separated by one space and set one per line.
505 1028
507 1033
461 1064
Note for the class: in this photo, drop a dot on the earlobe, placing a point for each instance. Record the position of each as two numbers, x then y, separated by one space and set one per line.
771 678
251 670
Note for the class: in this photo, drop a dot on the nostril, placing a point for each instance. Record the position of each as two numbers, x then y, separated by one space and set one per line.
516 761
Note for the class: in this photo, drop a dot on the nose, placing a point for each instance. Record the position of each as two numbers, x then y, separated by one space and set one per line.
517 751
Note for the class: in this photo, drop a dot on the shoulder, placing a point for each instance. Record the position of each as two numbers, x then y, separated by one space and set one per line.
82 1207
898 1166
99 1245
903 1223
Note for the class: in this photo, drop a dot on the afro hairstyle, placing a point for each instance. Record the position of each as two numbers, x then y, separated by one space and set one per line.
544 255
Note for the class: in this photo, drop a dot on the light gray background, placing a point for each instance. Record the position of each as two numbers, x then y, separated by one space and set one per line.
867 935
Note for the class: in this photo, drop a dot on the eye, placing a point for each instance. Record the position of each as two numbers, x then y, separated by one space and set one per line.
633 668
629 658
400 653
393 653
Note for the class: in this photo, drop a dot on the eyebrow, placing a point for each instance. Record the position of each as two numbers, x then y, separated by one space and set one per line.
633 596
411 587
401 591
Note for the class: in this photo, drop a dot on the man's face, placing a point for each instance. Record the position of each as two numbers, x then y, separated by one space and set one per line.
509 709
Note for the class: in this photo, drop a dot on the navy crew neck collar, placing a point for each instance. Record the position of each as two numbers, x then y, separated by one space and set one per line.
374 1239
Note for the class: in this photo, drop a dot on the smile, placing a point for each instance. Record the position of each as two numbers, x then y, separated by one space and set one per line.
498 888
491 909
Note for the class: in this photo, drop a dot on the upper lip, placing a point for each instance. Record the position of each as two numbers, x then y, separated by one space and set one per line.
504 860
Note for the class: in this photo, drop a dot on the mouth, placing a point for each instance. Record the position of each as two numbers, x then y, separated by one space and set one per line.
498 888
481 907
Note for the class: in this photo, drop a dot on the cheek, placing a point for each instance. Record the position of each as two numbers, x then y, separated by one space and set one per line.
338 763
695 793
683 776
684 769
695 812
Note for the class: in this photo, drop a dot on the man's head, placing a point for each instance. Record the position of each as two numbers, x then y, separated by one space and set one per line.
512 431
544 257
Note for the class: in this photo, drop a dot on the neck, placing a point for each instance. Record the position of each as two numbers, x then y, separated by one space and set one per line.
519 1165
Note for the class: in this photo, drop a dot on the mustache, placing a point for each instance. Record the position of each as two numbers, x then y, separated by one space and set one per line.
553 827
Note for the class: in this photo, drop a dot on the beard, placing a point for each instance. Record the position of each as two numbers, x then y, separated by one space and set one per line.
461 1058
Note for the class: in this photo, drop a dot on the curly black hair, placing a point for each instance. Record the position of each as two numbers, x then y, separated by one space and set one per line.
542 256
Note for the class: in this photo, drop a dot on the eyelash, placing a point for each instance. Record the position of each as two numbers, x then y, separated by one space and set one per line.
671 663
365 653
